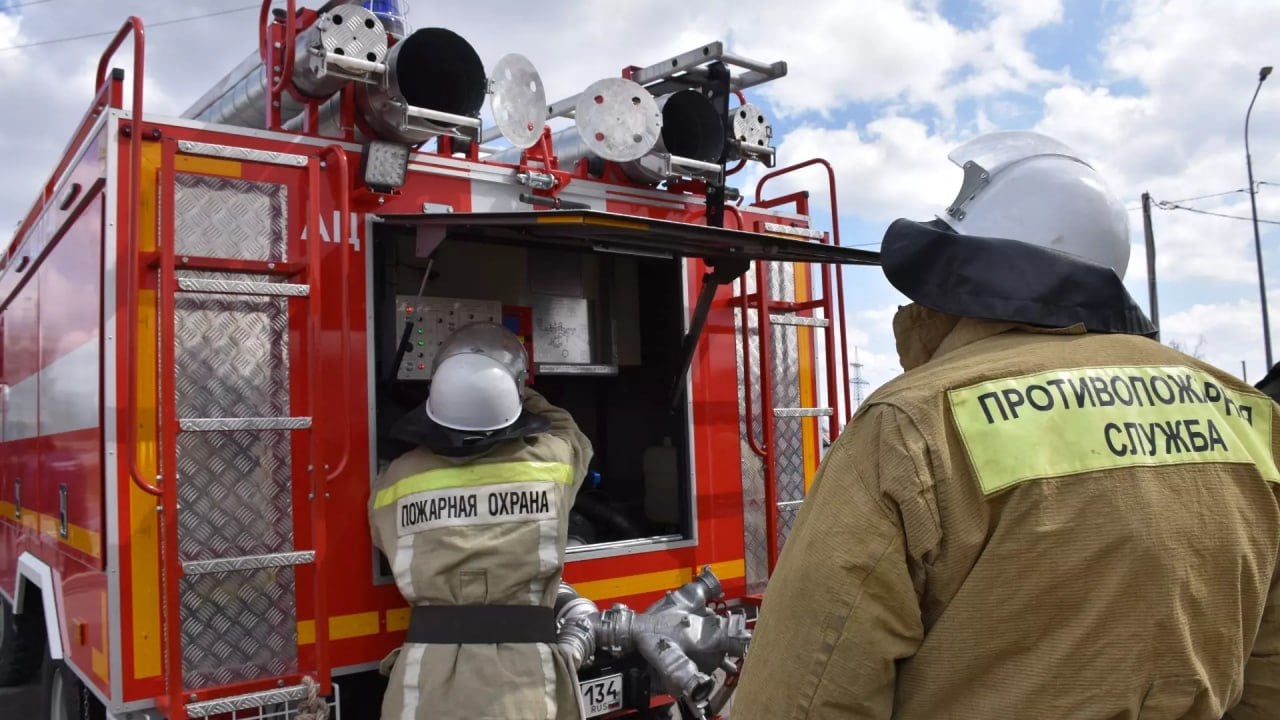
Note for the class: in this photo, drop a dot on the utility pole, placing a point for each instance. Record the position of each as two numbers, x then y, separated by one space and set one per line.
1257 240
857 382
1151 261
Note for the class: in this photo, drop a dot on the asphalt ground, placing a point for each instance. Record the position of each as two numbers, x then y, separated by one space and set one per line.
20 702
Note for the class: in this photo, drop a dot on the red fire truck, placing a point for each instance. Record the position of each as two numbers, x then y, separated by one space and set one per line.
209 322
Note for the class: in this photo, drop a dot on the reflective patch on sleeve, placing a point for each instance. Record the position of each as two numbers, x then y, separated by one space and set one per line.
486 505
475 475
1088 419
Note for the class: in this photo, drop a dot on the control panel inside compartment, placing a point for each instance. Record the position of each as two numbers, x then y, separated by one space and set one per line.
428 322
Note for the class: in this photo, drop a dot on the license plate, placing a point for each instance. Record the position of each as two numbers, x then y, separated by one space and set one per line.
601 695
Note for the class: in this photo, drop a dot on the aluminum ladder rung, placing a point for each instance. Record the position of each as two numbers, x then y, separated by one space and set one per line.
248 701
251 423
795 412
242 287
789 319
248 562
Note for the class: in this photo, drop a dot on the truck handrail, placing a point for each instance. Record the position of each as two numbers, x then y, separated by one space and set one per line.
130 450
835 240
339 154
286 47
746 352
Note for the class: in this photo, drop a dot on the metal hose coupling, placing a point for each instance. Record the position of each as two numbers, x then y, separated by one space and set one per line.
680 674
679 636
577 619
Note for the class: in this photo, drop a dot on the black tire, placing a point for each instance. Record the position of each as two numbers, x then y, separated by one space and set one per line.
21 644
65 697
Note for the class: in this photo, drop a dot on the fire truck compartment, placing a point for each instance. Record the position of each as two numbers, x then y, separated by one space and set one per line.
604 333
602 305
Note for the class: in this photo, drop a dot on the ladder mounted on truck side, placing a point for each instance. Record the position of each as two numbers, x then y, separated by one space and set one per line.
227 293
757 300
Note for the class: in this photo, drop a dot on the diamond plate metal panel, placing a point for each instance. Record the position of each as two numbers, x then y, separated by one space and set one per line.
230 218
753 512
238 627
786 521
788 448
789 451
232 356
234 494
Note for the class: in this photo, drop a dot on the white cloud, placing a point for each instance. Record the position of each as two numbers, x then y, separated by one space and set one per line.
1227 334
891 168
1183 135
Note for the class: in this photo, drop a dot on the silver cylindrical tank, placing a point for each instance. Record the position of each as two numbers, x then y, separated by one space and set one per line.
348 30
433 68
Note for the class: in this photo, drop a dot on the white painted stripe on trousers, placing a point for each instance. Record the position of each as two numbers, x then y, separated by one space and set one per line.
65 394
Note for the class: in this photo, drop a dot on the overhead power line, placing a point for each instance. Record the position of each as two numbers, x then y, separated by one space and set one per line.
1211 195
107 33
1165 205
15 6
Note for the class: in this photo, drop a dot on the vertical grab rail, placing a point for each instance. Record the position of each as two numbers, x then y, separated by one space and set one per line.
344 219
287 50
766 412
314 249
749 403
130 445
344 253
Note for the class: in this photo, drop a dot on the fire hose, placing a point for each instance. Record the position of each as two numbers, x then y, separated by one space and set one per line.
679 636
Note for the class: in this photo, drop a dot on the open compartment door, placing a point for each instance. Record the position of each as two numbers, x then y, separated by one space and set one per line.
611 232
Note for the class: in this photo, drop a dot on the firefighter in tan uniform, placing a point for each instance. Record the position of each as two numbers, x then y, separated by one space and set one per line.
1049 515
474 523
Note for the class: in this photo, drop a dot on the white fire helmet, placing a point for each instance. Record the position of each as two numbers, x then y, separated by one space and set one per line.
477 379
1029 187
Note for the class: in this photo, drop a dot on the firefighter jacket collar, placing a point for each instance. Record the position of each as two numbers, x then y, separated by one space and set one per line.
1006 281
923 334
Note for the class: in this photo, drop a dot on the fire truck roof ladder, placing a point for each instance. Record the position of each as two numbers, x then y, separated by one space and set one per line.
770 312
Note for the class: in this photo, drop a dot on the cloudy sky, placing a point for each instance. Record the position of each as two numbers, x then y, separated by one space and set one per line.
1153 92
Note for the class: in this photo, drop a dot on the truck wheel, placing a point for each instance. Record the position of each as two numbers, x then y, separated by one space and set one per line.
65 697
21 644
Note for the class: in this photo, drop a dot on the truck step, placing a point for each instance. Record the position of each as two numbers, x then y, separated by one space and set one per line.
242 287
251 701
794 412
248 562
788 319
251 423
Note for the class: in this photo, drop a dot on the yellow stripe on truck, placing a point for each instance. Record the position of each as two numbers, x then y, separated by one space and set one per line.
144 526
474 476
655 581
808 390
1066 422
